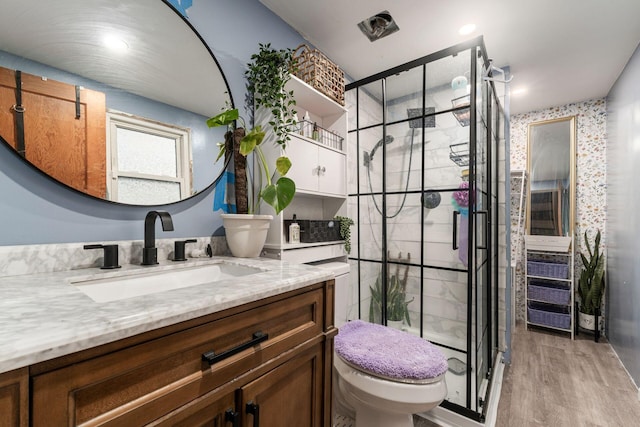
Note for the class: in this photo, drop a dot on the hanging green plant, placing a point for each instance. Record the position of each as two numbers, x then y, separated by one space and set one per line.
345 231
267 75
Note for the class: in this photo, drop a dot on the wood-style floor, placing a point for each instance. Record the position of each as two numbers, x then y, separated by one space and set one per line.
553 381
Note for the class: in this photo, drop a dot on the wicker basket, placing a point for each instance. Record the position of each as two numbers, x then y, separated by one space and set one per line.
550 292
315 69
548 269
548 315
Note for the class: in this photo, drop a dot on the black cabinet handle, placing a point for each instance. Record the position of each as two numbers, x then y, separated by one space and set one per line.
455 230
233 417
211 357
254 410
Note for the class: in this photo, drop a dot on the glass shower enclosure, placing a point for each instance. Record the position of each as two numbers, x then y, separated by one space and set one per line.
423 192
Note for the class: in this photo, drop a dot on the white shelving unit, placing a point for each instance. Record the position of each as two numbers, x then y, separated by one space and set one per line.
550 298
319 171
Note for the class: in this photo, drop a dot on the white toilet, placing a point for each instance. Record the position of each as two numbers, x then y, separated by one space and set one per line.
375 396
382 376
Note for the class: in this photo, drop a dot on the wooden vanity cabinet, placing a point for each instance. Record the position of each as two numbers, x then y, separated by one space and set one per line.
161 377
14 398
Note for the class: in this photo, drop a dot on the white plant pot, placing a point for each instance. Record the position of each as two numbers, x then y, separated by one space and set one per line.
246 233
395 324
586 321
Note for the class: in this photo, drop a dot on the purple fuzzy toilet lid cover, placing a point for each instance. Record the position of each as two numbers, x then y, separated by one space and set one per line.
389 352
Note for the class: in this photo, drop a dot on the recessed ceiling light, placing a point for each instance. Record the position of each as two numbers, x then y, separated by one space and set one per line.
115 43
467 29
518 91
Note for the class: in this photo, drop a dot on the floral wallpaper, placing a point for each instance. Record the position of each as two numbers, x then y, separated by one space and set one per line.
591 117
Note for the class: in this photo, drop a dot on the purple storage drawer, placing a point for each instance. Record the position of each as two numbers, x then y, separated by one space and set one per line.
549 315
549 292
548 269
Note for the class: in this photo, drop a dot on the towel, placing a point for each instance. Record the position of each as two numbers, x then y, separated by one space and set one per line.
388 352
225 194
463 238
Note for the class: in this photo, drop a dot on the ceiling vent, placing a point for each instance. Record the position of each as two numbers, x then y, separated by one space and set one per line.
378 26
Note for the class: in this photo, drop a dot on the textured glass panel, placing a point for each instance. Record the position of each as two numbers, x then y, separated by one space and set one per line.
441 235
370 104
370 308
445 307
370 227
146 191
446 152
448 81
404 95
403 226
350 99
145 153
371 159
403 157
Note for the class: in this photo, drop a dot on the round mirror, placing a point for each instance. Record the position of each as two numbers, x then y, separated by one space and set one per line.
111 98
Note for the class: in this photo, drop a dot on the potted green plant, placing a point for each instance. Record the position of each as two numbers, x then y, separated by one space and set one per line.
267 75
591 284
397 304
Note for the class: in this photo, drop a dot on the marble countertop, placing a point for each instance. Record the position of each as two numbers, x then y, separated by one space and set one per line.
43 316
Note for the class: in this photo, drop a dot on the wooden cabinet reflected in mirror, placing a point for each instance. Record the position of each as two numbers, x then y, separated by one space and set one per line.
164 75
63 131
551 168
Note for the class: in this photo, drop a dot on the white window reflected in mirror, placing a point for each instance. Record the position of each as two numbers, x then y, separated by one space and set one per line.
551 167
149 162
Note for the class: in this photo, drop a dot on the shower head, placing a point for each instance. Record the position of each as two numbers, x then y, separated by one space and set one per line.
416 115
369 157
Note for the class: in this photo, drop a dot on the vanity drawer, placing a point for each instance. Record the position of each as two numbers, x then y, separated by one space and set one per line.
140 383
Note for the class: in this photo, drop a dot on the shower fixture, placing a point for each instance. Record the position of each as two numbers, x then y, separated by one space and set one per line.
378 26
368 157
416 115
494 69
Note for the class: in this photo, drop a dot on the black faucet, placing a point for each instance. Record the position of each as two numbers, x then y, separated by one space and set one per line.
150 252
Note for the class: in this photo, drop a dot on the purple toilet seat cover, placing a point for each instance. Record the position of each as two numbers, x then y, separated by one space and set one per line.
389 352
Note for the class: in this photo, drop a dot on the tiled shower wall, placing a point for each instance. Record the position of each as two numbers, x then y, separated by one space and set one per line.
591 204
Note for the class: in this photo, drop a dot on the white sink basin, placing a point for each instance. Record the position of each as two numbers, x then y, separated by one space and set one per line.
143 282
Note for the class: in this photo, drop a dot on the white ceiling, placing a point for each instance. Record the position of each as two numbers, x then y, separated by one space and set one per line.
560 51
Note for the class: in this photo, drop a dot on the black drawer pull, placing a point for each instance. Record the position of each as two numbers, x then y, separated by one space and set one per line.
233 417
211 357
254 410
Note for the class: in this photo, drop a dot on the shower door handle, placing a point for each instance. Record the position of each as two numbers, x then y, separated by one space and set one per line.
486 229
455 230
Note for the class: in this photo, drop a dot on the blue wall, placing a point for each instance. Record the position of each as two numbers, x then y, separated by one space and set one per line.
623 221
33 209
